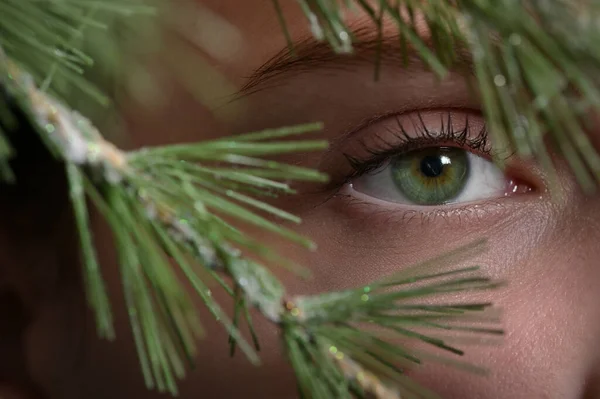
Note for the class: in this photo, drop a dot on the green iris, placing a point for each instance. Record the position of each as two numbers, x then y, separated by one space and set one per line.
432 176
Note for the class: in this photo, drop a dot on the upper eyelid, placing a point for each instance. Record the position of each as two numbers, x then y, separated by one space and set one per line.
405 142
338 142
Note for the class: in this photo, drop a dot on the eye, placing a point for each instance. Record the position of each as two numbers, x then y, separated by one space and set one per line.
436 176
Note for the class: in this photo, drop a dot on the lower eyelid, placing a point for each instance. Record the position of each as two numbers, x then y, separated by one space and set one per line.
348 190
365 201
476 216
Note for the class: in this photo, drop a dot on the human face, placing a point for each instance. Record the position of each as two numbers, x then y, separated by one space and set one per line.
544 244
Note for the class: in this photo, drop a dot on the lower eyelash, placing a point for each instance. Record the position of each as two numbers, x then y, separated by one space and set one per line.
423 137
392 216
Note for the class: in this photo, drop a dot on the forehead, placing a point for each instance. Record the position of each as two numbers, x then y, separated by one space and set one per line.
257 26
259 30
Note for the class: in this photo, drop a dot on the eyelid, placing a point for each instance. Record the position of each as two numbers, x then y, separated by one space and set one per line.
381 139
366 144
481 213
400 134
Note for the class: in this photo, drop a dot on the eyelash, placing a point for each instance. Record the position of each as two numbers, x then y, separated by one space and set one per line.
423 137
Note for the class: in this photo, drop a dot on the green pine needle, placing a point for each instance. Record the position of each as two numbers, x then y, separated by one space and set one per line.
95 289
367 331
536 64
170 208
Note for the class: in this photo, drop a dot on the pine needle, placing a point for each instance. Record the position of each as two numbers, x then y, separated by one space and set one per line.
170 207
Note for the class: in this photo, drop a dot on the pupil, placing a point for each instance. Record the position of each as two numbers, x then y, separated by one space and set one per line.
432 166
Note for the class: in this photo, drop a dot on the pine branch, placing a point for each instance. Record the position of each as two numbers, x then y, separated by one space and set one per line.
357 337
536 64
167 203
56 41
174 203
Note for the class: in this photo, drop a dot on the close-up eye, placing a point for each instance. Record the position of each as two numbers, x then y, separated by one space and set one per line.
429 159
305 199
435 176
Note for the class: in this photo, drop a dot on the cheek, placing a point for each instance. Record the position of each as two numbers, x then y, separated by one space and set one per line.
359 243
546 253
550 317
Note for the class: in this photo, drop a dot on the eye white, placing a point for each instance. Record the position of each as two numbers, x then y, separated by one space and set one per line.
485 181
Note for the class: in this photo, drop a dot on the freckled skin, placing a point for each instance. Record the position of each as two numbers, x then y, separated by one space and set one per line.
544 245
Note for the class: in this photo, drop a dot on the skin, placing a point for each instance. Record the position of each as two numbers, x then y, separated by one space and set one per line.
544 244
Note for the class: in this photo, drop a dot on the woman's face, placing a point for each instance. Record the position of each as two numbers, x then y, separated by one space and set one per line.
377 215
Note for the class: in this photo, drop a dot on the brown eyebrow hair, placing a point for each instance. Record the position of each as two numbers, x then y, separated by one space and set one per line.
309 55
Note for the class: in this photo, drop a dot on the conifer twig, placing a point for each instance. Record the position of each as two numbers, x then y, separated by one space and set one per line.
170 208
159 208
536 64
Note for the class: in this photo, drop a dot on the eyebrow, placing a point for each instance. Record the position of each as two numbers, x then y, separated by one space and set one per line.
368 49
